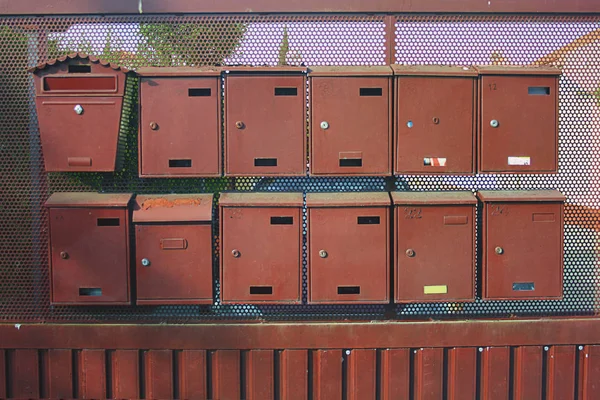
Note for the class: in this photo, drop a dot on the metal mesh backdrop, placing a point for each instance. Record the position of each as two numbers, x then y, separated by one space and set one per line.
571 42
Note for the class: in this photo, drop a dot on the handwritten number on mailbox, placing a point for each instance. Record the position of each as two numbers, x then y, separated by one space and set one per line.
493 86
412 213
499 210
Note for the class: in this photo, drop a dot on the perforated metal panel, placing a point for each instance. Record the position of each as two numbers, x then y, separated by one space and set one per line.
570 42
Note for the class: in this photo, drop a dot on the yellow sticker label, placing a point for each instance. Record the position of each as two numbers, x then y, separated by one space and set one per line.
437 289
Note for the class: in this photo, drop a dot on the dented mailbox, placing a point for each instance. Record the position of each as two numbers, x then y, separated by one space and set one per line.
348 247
265 121
79 99
518 119
261 248
522 244
180 122
435 246
173 235
350 121
435 119
89 248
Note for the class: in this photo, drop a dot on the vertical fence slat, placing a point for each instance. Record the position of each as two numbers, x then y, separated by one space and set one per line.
60 374
192 374
395 374
327 375
226 375
294 375
591 373
362 374
126 374
462 373
259 375
159 374
429 374
495 373
92 374
24 374
3 374
560 373
528 373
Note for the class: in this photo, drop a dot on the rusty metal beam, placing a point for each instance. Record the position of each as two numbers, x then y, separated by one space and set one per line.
549 331
54 7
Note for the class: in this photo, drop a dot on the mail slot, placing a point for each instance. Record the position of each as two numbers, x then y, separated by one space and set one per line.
261 249
180 122
173 235
79 99
265 128
348 247
350 120
522 244
434 246
89 248
519 119
435 119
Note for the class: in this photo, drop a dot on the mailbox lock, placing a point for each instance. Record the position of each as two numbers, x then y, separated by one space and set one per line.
236 253
78 109
324 125
145 262
410 253
323 254
499 250
436 120
153 125
494 123
64 255
239 125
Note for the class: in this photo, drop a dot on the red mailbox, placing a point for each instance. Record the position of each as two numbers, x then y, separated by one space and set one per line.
435 246
522 244
89 248
174 250
435 119
79 99
261 248
519 119
265 128
350 121
348 247
180 122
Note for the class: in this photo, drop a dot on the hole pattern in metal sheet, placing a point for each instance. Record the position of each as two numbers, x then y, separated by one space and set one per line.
572 42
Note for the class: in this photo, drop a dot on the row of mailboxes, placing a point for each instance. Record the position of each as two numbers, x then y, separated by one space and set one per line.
371 121
352 238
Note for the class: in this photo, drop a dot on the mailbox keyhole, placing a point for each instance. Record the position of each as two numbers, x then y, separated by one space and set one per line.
80 69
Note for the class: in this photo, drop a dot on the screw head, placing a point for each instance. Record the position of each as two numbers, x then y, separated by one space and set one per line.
494 123
347 352
236 253
499 250
324 125
239 125
64 255
153 125
436 120
145 262
323 254
78 109
410 253
481 349
546 348
580 348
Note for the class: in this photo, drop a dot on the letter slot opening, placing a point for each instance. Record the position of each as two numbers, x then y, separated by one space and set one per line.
348 289
180 163
108 222
80 69
284 91
265 162
523 286
538 91
351 162
369 220
199 92
371 91
261 289
90 292
282 220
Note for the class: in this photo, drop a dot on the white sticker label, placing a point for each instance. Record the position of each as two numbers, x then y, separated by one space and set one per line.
434 162
519 160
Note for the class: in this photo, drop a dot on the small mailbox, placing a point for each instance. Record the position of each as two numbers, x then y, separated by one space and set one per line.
173 235
434 246
89 248
435 119
348 247
350 121
522 244
519 119
180 122
261 247
79 99
265 128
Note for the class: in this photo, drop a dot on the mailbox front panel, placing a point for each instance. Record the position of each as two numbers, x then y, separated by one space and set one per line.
523 250
350 126
435 253
261 260
180 130
89 255
435 125
348 255
179 259
518 124
84 141
265 125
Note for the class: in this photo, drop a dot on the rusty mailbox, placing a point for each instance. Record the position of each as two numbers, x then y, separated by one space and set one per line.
522 244
180 122
173 235
350 121
89 248
434 246
79 99
435 119
265 121
261 249
519 119
348 247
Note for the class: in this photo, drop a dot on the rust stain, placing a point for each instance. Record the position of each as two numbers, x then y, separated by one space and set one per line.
165 203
